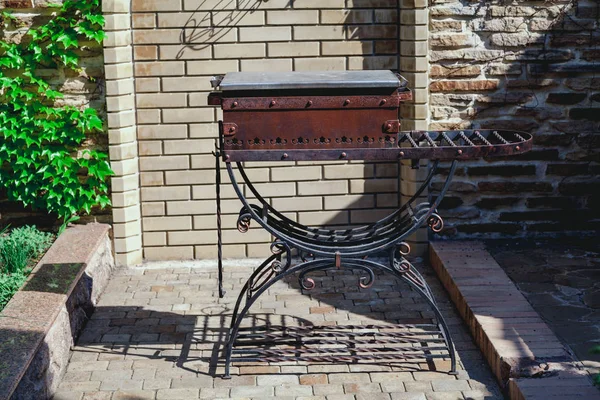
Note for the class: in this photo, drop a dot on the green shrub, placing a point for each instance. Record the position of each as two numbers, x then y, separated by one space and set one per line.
21 246
9 285
19 250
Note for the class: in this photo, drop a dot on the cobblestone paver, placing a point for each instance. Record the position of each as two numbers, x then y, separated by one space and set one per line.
158 331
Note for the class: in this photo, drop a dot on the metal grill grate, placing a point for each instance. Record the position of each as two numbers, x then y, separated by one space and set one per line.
469 138
440 145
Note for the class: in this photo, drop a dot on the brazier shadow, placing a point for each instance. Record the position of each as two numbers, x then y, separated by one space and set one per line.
203 27
191 343
342 301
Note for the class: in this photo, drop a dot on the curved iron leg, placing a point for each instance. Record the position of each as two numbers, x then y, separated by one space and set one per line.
236 326
247 286
427 295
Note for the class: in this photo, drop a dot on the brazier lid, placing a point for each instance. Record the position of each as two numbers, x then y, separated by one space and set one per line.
240 81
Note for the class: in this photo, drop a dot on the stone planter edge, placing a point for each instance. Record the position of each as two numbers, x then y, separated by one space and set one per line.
38 328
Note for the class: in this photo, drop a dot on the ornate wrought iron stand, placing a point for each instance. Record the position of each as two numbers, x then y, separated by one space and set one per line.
322 249
338 249
350 115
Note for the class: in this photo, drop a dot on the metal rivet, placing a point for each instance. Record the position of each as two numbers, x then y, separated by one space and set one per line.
235 104
401 154
227 157
346 102
383 101
310 103
232 129
388 127
285 155
459 152
273 102
517 148
344 155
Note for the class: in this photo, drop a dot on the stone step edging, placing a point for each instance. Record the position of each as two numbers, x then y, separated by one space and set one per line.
39 324
528 360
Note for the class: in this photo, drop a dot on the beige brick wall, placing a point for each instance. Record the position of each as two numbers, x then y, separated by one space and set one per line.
178 46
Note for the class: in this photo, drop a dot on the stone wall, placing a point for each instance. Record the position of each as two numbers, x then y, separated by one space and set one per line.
80 89
178 46
527 66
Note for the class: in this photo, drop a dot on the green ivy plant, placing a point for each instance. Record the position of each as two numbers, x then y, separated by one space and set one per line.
39 139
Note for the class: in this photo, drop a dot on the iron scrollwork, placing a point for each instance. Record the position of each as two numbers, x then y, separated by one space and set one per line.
364 282
404 267
397 259
276 267
435 222
243 221
279 248
306 283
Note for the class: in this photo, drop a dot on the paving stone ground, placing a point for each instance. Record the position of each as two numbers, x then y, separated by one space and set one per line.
561 280
158 331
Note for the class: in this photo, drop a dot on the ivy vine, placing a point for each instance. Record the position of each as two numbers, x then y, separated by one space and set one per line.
39 137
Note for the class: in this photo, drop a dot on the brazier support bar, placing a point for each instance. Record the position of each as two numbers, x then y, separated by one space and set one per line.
407 223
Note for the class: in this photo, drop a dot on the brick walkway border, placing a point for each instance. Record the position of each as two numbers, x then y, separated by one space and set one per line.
526 357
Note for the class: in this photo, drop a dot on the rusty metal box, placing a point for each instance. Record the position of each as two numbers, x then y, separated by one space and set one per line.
297 115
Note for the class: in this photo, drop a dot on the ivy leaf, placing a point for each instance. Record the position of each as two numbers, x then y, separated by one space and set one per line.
95 123
95 19
69 59
67 40
103 201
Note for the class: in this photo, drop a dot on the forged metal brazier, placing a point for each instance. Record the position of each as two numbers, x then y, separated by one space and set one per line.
335 116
